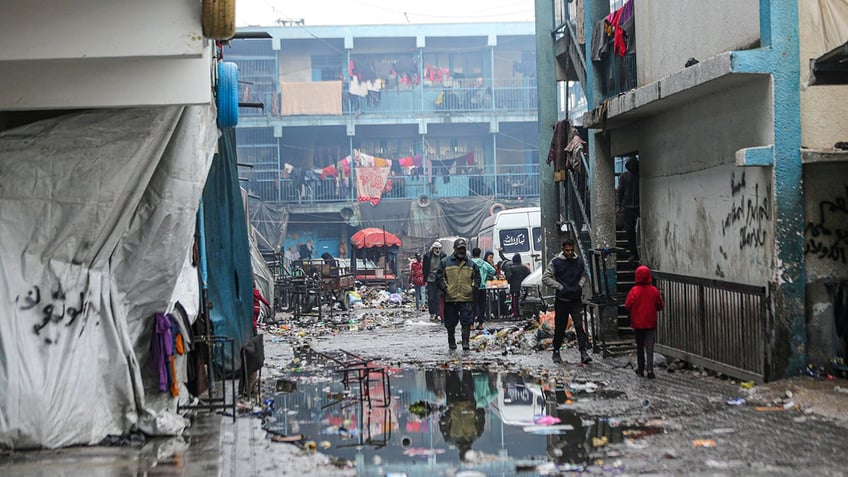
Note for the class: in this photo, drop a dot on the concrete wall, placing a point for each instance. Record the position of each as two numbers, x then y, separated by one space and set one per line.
702 215
295 65
100 53
824 117
825 254
668 32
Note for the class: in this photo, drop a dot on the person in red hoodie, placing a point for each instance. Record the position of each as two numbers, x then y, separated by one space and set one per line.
644 301
257 307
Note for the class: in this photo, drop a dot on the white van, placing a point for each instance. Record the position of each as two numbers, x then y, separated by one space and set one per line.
517 231
447 244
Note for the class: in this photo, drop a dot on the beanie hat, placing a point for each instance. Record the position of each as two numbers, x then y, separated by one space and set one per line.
436 244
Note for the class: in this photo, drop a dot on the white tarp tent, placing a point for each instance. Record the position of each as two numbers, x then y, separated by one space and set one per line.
97 217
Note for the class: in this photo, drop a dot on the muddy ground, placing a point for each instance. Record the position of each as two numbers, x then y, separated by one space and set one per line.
791 427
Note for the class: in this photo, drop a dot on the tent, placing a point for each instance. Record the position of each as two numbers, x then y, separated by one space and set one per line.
98 214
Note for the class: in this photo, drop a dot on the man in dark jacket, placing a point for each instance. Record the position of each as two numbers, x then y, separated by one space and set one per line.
515 274
431 264
566 274
458 277
628 202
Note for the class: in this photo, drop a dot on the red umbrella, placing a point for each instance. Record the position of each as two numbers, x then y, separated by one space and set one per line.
374 237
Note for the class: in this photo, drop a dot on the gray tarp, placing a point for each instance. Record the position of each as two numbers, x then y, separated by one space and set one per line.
270 221
97 216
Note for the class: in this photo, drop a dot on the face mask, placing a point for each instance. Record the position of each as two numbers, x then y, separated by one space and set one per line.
460 253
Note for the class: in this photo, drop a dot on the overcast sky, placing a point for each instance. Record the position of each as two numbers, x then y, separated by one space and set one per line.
365 12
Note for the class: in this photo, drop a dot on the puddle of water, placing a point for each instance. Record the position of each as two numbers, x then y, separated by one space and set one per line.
423 422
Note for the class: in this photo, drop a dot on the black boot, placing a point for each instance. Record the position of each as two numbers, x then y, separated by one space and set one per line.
452 338
466 336
557 357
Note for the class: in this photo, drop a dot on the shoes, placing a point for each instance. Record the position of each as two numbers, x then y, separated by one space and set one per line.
557 358
479 326
639 372
585 358
651 375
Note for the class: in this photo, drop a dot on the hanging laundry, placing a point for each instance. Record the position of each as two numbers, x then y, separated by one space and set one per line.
556 152
161 350
329 171
370 183
574 152
599 40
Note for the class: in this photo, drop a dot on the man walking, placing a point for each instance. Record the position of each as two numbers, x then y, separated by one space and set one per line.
431 265
566 273
487 272
458 277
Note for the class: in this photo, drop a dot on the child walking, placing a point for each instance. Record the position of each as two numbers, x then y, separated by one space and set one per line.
644 301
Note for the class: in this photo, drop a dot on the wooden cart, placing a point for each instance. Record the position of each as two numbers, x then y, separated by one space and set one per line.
320 282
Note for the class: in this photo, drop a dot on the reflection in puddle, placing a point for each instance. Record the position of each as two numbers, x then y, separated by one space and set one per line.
426 422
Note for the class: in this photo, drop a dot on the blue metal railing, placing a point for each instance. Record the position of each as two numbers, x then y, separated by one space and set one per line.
724 326
510 182
448 97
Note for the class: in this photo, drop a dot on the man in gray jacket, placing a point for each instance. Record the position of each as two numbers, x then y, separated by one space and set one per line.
566 274
432 261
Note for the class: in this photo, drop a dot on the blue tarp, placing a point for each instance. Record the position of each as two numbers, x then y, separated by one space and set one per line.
229 272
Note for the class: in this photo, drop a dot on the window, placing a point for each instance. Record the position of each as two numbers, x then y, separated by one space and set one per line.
327 68
514 240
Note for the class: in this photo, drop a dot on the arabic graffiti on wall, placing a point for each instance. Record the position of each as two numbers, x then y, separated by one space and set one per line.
749 214
826 236
52 310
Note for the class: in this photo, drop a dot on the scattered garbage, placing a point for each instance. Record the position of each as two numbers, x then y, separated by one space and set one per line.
747 384
291 438
548 429
636 443
736 402
546 420
704 443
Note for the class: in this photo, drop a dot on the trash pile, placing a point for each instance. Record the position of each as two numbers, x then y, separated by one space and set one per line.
377 308
367 297
836 368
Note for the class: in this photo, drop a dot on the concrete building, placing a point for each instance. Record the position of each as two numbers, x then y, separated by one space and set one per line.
734 109
422 118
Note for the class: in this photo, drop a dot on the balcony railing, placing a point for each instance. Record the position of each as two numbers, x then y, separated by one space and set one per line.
451 97
511 182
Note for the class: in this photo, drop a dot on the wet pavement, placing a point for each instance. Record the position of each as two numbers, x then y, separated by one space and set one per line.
377 392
